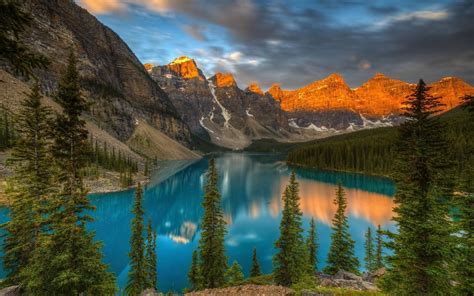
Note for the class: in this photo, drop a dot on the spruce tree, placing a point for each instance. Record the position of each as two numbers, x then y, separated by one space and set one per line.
150 258
15 21
369 251
290 262
137 276
255 269
234 274
211 245
378 259
194 274
312 246
341 253
465 227
422 247
30 185
67 260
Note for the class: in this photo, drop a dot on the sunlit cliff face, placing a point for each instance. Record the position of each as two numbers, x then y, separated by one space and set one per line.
317 200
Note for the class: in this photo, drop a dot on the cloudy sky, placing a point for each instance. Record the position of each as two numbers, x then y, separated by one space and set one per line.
296 42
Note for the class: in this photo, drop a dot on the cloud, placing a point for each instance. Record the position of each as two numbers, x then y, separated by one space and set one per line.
103 6
195 31
235 56
364 65
422 15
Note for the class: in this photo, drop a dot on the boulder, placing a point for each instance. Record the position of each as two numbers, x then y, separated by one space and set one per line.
149 292
344 275
11 291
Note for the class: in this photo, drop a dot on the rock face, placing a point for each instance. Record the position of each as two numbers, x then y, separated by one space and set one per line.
378 97
11 291
254 88
185 68
216 109
113 79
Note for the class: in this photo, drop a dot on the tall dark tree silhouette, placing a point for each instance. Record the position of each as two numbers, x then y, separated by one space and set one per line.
137 276
289 263
312 245
378 256
30 185
67 260
422 247
211 245
341 253
255 269
194 273
150 258
369 251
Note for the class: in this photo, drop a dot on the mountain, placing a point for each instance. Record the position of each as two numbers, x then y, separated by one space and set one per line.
217 110
114 81
379 96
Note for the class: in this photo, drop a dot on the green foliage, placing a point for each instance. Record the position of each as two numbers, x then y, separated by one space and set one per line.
369 251
7 130
234 274
137 276
423 246
312 245
290 261
194 274
150 258
15 20
255 269
341 253
379 259
307 282
30 185
211 245
66 260
265 279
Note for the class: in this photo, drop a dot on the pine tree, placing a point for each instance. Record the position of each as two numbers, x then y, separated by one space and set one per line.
150 258
255 269
211 244
422 247
465 227
67 260
137 276
30 185
15 20
341 253
194 274
234 274
378 259
369 251
312 246
290 260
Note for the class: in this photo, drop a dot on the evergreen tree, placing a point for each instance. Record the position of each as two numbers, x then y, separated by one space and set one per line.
15 20
378 259
422 247
290 260
30 185
465 227
211 244
150 258
255 269
194 274
67 261
341 253
369 251
234 274
312 246
137 276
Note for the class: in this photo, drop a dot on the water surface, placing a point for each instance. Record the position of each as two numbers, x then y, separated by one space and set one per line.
251 187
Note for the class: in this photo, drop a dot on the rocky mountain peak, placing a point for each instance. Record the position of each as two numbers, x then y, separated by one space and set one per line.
223 80
275 91
379 75
336 77
148 66
186 68
255 88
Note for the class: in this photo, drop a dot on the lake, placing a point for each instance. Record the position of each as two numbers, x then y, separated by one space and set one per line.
251 186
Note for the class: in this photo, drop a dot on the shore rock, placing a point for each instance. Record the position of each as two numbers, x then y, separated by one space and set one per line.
246 290
344 279
149 292
11 291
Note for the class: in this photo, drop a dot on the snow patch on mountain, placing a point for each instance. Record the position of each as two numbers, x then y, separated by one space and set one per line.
248 112
225 113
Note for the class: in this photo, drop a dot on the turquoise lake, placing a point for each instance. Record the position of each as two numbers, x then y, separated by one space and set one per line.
251 186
